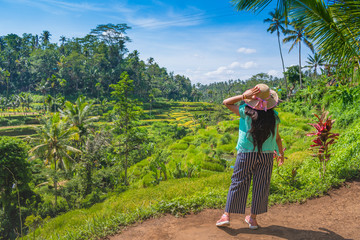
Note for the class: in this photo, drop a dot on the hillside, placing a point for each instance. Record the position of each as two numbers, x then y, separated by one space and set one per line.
296 181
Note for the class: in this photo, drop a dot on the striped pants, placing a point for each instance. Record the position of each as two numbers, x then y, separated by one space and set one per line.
258 165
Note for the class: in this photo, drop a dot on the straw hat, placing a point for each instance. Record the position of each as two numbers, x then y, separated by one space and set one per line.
264 100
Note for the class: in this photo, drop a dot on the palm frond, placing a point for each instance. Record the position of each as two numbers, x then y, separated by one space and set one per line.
333 29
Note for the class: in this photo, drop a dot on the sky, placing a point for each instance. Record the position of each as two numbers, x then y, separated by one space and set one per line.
206 41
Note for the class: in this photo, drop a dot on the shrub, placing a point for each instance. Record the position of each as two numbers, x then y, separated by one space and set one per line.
212 166
148 180
346 159
179 146
90 199
324 138
46 208
225 139
178 172
228 148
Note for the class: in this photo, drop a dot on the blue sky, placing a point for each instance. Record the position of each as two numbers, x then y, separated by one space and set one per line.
207 41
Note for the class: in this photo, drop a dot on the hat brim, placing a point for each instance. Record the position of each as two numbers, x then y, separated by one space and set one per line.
271 102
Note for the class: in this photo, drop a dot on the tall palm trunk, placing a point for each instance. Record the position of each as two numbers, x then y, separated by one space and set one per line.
283 65
300 65
126 160
55 184
127 140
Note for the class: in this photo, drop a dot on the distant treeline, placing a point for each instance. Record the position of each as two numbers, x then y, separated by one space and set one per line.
217 92
83 66
87 66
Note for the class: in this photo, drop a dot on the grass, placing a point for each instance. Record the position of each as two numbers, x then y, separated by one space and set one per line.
134 204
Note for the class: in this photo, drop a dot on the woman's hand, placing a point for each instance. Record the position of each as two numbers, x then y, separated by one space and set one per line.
250 93
280 160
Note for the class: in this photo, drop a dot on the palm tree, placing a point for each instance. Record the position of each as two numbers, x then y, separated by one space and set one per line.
315 61
14 102
62 40
297 36
52 143
45 37
28 100
78 115
276 24
333 28
3 103
259 5
21 97
332 25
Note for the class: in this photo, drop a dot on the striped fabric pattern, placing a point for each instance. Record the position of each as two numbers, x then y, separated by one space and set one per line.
250 165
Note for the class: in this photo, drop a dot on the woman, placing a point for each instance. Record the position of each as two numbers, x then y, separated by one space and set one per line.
258 138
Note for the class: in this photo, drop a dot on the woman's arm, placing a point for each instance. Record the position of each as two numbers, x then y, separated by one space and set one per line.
280 146
229 102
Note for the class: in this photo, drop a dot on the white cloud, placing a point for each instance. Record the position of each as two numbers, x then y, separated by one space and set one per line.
235 65
154 23
275 73
230 68
246 50
248 65
218 71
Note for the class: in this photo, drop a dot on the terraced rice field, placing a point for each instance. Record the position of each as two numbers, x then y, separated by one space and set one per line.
181 114
22 124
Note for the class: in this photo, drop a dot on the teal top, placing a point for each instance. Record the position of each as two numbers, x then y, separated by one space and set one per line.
245 141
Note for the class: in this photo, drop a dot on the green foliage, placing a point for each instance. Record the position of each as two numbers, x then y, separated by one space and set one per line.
148 180
293 75
179 146
5 226
78 115
33 222
225 139
129 138
91 199
14 168
52 144
83 66
346 160
178 172
14 178
47 208
212 166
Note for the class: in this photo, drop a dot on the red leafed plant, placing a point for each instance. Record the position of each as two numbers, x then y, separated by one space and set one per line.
324 138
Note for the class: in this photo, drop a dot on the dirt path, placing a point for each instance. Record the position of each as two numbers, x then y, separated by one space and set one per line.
334 216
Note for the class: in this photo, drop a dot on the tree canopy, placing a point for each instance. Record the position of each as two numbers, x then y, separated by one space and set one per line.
82 66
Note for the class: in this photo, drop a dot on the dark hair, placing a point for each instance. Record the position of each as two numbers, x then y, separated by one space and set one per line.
262 125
